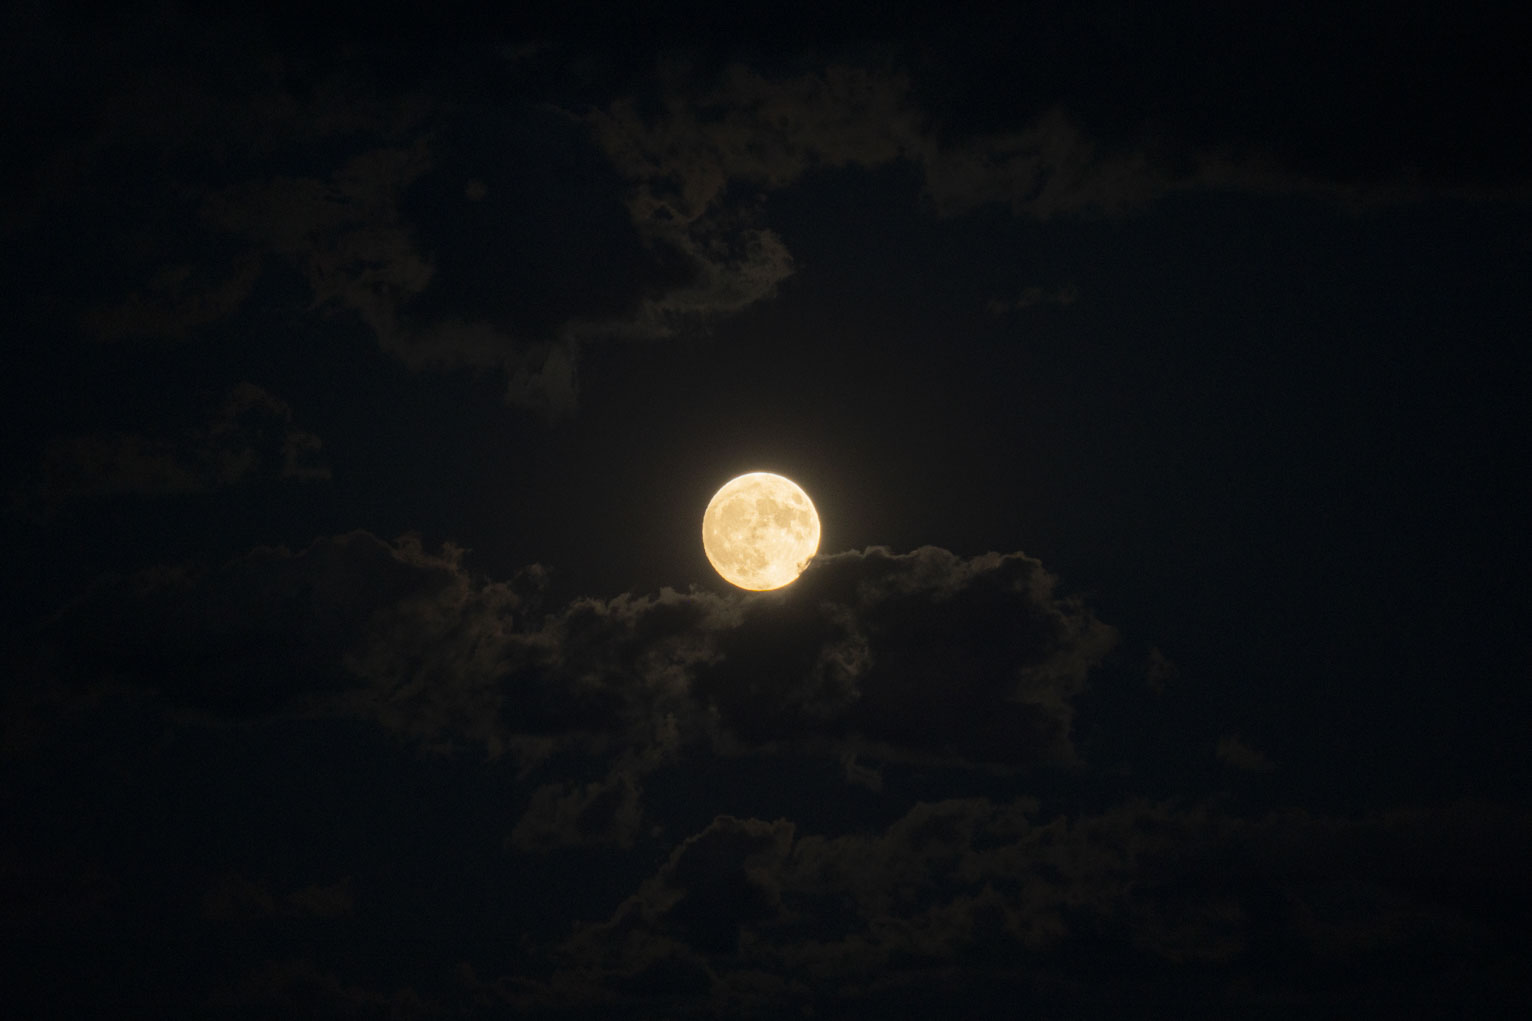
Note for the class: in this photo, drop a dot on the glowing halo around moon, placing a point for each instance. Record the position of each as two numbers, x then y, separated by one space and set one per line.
760 531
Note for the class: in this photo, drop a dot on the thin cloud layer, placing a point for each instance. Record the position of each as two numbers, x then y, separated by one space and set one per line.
340 179
764 134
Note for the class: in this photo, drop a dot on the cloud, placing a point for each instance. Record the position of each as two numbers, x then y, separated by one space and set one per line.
335 219
753 132
178 301
701 158
116 463
1049 168
859 775
1235 752
871 655
1159 671
266 632
344 233
251 438
971 890
348 237
337 178
699 163
299 986
234 898
714 883
848 660
1033 296
765 133
605 812
707 146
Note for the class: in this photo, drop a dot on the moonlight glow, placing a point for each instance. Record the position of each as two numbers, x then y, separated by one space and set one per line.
760 531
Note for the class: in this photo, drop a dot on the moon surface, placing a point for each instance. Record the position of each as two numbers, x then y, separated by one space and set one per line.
760 531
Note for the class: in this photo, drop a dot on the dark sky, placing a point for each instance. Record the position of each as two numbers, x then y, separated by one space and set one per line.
1153 369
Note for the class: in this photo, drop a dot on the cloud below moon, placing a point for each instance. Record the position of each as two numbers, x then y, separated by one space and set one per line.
842 664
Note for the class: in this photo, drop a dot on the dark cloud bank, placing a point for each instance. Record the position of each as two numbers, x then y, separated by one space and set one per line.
878 666
893 656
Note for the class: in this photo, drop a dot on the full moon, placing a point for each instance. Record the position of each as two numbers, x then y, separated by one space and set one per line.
760 531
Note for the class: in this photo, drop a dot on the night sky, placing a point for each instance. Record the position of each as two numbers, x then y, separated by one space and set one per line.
1155 371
